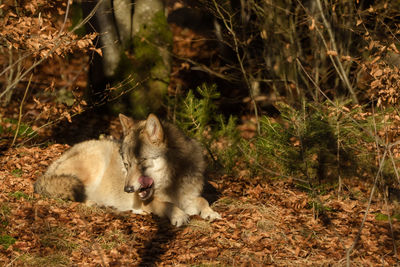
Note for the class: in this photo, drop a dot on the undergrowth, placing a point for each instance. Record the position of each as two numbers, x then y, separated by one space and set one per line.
196 114
318 145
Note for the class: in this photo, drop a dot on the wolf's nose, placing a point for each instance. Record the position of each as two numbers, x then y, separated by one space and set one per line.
129 189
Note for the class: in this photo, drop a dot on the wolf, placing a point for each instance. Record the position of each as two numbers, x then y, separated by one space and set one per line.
155 168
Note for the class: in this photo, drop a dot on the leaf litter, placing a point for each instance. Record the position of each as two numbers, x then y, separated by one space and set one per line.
264 223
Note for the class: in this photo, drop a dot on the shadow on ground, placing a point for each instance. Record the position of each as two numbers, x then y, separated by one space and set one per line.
160 242
154 248
210 193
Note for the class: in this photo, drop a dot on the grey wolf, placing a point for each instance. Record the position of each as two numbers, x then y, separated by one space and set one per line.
154 169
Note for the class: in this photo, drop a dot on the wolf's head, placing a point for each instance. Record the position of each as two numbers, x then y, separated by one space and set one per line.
143 151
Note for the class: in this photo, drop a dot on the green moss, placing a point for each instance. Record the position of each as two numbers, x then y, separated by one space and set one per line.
23 131
145 52
6 241
150 65
17 172
19 195
65 97
148 43
384 217
158 70
157 32
146 72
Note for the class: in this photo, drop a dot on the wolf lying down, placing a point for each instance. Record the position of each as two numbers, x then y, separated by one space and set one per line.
156 169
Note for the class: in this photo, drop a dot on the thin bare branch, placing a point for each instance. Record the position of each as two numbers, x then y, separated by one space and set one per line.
350 249
341 71
229 26
20 110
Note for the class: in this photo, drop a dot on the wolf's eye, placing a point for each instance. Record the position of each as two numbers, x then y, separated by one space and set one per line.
126 164
146 163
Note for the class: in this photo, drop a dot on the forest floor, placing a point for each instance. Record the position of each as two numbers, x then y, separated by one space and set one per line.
264 221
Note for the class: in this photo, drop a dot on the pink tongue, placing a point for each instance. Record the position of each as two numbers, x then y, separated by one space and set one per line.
145 181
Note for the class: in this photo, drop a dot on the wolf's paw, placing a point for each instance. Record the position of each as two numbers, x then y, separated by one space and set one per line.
209 214
179 217
90 203
138 211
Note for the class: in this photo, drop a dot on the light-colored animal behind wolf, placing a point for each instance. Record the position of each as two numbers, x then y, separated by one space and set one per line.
156 169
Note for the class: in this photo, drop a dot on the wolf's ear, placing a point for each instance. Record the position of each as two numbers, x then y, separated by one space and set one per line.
154 129
126 123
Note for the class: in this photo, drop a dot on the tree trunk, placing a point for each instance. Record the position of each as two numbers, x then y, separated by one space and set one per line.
136 44
152 45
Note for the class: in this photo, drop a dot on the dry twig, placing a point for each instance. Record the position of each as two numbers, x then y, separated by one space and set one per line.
20 110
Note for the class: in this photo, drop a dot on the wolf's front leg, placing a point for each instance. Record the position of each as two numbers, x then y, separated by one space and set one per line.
166 209
200 206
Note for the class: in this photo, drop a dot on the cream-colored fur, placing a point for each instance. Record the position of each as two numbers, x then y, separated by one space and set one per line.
98 165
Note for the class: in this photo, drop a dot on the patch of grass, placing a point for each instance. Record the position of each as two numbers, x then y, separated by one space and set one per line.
4 212
17 172
19 195
200 225
6 241
265 225
384 217
24 129
207 265
90 210
225 201
57 237
5 209
54 260
112 239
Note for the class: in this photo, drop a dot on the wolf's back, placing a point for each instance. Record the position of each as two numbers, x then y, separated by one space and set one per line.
61 186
